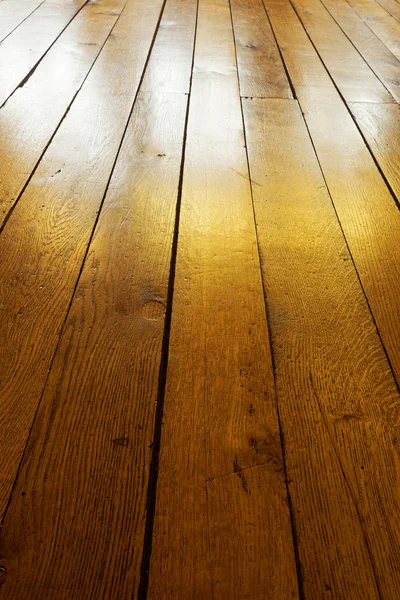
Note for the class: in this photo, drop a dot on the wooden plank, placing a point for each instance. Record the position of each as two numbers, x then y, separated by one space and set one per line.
172 53
13 13
260 68
392 7
381 127
32 114
222 527
384 64
380 22
23 49
334 384
351 74
45 240
83 484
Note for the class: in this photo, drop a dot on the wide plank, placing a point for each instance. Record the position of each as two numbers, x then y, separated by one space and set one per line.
82 487
33 113
222 525
392 7
260 67
380 126
385 27
367 212
23 49
13 13
352 75
384 64
334 384
46 238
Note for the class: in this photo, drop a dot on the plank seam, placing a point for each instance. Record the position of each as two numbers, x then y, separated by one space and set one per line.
23 20
35 66
12 208
83 260
299 572
162 377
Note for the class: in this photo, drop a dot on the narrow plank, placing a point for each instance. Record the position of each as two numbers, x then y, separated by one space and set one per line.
350 72
332 377
380 22
260 68
172 54
23 49
366 209
83 484
13 13
381 128
384 64
222 527
32 114
392 7
46 237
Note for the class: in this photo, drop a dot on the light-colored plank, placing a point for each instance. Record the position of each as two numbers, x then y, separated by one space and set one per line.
392 7
352 75
366 209
221 457
45 239
82 488
13 13
172 54
21 51
380 22
381 128
333 381
261 72
384 64
32 114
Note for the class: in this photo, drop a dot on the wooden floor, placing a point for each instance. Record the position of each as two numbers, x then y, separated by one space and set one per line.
200 299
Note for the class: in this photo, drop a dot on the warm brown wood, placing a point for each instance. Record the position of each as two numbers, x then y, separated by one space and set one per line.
13 13
381 22
261 72
352 75
89 502
381 127
45 239
384 64
334 385
32 114
365 207
21 51
221 474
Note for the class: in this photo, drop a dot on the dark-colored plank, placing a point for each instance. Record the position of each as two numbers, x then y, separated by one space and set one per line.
260 68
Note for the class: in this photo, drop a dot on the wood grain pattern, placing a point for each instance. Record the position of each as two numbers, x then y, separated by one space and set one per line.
381 22
83 483
392 7
381 127
337 397
23 49
45 240
367 212
13 13
260 68
172 54
384 64
32 114
352 75
228 482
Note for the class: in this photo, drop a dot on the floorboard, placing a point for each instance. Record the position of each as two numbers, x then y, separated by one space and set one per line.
199 299
53 223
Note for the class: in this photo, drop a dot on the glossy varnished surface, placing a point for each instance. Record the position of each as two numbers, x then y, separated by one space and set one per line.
199 299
